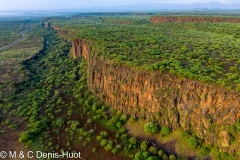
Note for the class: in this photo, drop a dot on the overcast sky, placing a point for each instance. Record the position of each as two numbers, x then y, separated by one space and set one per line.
74 4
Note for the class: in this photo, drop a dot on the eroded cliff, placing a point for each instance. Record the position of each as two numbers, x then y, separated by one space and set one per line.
161 97
178 19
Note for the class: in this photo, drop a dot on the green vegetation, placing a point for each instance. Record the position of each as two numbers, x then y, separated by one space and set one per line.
151 128
204 51
192 141
61 114
10 31
164 131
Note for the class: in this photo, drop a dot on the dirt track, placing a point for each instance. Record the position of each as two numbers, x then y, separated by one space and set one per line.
17 41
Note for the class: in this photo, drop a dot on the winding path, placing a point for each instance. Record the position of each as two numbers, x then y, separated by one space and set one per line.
17 41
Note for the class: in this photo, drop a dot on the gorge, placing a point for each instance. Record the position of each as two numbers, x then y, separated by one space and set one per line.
204 109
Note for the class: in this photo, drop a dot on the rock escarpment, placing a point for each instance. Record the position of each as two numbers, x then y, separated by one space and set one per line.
161 97
178 19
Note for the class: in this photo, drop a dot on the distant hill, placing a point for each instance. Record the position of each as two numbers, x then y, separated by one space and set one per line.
168 6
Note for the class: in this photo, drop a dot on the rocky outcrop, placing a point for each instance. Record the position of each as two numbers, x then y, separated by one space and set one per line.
46 25
56 28
59 30
162 97
179 19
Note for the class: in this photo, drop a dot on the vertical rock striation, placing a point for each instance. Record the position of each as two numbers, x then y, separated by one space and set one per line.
161 97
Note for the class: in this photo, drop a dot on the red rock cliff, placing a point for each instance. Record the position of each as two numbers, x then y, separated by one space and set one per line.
164 98
178 19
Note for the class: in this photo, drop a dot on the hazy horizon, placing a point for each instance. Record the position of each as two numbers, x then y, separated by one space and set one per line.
18 5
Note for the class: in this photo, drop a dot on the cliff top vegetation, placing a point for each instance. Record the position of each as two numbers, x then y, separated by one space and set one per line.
208 52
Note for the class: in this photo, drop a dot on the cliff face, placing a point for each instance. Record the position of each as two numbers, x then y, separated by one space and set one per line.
161 97
178 19
59 30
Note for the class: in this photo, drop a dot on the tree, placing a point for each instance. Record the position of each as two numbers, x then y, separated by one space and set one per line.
192 141
160 153
153 158
133 141
150 128
103 142
144 146
172 157
141 155
164 131
153 150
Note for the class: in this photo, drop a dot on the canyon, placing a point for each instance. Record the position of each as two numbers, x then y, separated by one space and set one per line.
203 109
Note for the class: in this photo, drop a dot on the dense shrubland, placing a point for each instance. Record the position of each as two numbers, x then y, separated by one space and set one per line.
63 115
207 52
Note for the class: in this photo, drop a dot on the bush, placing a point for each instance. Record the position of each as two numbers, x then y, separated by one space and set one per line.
103 142
81 131
108 147
124 136
89 121
103 108
144 146
118 146
238 88
91 132
153 158
150 128
99 138
160 153
205 150
133 119
133 141
58 123
94 150
192 141
104 134
94 107
114 120
237 125
164 157
115 150
185 134
164 131
141 155
123 118
172 157
99 111
138 156
153 150
2 131
224 156
122 130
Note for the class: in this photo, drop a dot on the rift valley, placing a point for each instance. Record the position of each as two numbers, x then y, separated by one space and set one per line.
123 86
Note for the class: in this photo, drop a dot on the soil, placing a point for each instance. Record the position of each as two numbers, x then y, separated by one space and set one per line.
9 141
77 145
